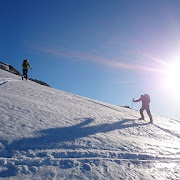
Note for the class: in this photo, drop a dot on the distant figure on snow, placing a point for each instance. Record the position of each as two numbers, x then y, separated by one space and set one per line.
145 106
25 67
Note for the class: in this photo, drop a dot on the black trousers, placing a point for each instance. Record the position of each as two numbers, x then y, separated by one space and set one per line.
25 71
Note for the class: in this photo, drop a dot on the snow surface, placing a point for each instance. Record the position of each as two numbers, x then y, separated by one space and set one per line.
46 133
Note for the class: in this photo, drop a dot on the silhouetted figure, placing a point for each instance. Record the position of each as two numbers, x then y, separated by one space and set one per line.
145 106
25 67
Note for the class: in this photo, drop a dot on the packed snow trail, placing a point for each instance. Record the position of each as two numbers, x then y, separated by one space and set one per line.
50 134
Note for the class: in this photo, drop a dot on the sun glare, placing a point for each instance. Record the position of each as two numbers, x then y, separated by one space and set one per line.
173 76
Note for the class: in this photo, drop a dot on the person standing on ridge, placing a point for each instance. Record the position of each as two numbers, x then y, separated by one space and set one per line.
145 106
25 67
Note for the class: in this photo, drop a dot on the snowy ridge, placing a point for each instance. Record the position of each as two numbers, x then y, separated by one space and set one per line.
50 134
8 68
4 66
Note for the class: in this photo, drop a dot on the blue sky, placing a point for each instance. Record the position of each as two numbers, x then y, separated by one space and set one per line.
108 50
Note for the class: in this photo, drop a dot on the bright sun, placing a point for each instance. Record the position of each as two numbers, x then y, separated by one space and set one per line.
173 76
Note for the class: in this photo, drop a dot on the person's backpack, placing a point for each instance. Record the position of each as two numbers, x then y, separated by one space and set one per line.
146 98
25 63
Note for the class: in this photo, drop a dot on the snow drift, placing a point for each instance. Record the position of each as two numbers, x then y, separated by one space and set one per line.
50 134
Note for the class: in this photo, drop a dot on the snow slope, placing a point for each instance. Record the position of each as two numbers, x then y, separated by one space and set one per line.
50 134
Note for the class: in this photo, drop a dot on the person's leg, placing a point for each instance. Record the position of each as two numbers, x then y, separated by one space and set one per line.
23 74
149 114
141 112
26 76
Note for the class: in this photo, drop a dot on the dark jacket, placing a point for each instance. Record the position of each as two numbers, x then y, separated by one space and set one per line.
26 67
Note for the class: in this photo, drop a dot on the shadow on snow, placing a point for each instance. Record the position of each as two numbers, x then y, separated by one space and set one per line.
58 137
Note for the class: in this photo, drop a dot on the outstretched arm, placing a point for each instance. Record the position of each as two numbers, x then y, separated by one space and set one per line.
140 99
29 65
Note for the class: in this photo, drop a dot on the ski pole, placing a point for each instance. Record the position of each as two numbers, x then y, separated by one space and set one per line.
31 74
132 103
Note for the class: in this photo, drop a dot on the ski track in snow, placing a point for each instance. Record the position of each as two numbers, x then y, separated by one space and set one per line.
8 80
50 134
